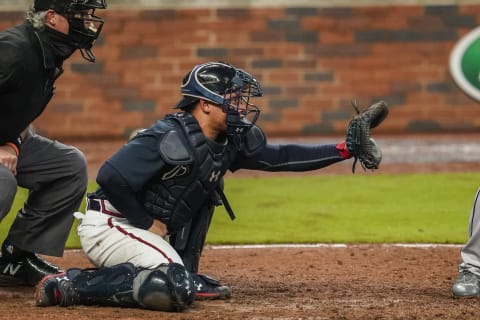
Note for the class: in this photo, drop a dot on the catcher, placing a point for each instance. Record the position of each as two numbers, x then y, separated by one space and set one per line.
146 224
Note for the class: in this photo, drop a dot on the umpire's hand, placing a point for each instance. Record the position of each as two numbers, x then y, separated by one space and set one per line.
8 158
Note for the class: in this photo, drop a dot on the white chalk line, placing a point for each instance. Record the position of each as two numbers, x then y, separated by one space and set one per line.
323 245
333 245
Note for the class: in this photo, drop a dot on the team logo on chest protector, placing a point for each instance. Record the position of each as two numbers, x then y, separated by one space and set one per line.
177 171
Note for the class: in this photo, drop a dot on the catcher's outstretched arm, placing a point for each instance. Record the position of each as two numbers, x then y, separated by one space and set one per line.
291 157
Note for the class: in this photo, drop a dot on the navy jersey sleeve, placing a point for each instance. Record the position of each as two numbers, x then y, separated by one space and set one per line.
138 161
126 173
290 157
122 197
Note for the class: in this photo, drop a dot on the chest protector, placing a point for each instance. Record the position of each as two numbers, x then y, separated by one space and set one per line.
195 167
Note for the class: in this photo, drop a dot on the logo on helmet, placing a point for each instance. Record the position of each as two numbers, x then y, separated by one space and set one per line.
465 64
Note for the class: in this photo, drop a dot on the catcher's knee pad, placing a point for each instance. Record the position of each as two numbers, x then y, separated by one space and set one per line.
166 288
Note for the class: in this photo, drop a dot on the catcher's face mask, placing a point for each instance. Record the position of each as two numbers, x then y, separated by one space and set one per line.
241 114
228 87
85 26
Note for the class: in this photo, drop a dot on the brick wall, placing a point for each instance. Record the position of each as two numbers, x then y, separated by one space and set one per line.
311 61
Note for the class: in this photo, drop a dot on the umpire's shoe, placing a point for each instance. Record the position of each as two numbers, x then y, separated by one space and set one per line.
467 285
207 288
18 267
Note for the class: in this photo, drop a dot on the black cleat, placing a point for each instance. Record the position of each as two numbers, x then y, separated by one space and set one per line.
23 268
207 288
55 290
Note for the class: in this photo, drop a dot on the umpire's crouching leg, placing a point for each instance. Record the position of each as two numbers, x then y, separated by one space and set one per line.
56 176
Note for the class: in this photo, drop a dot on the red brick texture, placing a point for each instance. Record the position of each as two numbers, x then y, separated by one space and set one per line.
311 62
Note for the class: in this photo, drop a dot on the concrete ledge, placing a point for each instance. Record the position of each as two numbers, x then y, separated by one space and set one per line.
15 5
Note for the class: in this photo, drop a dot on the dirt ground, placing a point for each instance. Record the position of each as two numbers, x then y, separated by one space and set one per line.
317 282
344 282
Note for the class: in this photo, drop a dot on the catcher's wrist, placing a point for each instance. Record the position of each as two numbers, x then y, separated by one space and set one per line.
343 150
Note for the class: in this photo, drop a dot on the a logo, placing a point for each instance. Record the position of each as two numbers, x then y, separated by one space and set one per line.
214 176
11 269
176 171
465 64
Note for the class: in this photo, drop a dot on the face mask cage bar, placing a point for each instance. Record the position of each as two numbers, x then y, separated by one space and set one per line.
85 27
237 99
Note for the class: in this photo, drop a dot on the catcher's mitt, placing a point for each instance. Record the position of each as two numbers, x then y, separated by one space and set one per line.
359 143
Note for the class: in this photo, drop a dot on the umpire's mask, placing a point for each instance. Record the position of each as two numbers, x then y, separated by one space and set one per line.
85 26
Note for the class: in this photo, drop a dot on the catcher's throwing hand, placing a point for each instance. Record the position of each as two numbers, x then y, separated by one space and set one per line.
159 228
359 143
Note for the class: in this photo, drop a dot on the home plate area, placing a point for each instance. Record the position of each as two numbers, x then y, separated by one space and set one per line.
296 282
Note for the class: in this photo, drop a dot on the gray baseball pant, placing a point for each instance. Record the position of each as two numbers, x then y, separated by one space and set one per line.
56 177
470 252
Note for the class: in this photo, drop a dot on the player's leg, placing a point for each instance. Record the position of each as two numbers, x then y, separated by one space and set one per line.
467 283
189 243
108 241
8 187
56 177
169 287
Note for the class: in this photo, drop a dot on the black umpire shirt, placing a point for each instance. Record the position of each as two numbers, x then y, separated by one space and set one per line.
27 75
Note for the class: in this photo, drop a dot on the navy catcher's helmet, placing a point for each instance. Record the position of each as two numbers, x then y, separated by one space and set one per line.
227 86
85 26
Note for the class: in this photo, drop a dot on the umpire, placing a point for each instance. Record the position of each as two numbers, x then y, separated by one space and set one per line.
31 59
